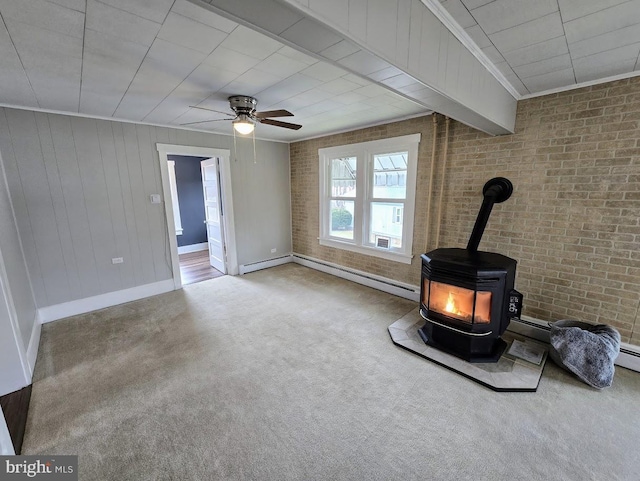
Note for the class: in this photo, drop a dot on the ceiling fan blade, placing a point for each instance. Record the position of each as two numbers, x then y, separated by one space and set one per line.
273 113
208 110
277 123
205 121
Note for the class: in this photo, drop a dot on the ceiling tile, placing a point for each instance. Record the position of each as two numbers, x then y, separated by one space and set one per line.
231 60
45 15
323 71
608 41
340 50
272 16
512 78
154 10
356 79
191 34
559 78
478 36
572 9
539 30
296 55
338 86
251 43
202 15
78 5
586 73
380 36
40 43
281 66
15 84
163 69
106 19
548 65
109 66
604 21
202 82
458 11
605 64
310 35
537 51
385 73
502 14
492 54
250 83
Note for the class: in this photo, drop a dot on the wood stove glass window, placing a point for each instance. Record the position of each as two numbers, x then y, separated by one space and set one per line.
459 303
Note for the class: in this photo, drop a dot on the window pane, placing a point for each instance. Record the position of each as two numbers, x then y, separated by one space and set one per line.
342 219
343 177
390 175
386 223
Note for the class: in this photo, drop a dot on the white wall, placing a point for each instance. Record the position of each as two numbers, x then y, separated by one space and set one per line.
80 188
13 375
14 264
262 205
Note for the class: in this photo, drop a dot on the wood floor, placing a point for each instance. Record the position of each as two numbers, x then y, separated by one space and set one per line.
195 267
15 406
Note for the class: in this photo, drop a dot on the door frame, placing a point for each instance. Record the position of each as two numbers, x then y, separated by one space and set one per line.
216 162
164 150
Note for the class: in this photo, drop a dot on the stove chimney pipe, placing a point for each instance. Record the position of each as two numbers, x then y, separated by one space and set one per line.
496 190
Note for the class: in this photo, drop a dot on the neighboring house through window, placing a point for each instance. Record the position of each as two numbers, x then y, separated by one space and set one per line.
367 197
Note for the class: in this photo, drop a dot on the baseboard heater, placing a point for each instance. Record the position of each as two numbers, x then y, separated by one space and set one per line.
534 328
370 280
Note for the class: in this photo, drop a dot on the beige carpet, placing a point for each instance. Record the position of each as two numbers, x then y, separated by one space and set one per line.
290 374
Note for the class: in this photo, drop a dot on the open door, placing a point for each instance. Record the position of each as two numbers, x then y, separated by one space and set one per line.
213 213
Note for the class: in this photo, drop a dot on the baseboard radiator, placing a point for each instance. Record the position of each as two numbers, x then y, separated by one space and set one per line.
534 328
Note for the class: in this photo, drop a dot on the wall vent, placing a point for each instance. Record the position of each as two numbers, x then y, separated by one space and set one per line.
383 242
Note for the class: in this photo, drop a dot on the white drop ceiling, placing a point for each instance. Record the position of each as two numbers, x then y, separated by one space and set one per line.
150 60
541 45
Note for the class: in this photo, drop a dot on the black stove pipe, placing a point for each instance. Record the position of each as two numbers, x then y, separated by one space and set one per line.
496 190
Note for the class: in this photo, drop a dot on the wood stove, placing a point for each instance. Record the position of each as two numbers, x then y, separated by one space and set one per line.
467 297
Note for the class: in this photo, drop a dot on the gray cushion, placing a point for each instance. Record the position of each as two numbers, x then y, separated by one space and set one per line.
589 351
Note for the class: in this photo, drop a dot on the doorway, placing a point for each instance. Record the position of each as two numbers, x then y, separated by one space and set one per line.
197 192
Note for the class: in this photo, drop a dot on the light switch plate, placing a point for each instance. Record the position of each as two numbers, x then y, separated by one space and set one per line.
155 198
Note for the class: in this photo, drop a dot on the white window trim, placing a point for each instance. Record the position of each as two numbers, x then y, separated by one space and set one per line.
364 152
173 186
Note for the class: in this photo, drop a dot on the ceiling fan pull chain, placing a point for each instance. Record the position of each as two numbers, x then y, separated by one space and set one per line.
254 147
235 146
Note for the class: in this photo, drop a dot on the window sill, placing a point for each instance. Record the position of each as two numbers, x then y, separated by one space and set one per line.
369 251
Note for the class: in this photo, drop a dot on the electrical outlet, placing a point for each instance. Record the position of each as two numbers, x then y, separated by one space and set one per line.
273 251
117 260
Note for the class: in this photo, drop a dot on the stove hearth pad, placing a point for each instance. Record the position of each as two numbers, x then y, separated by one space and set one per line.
509 373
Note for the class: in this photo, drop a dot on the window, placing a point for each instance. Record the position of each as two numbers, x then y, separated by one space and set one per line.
367 194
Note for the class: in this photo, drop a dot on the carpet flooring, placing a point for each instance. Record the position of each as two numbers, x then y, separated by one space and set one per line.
290 374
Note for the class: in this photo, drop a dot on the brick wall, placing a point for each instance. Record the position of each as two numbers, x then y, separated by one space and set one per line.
572 222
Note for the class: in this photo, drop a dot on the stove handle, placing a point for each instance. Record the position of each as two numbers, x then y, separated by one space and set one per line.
471 334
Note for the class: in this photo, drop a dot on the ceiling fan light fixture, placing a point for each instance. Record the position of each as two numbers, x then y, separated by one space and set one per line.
243 124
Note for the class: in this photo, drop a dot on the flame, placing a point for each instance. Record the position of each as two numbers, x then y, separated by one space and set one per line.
451 304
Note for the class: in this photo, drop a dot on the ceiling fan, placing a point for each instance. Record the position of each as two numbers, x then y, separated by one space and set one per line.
246 116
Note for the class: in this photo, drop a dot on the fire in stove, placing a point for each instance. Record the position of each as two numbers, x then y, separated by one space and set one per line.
467 297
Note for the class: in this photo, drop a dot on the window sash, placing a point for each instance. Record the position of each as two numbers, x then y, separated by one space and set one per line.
364 199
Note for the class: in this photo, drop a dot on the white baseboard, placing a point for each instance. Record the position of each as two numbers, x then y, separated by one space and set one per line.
629 356
88 304
256 266
193 248
34 342
390 286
